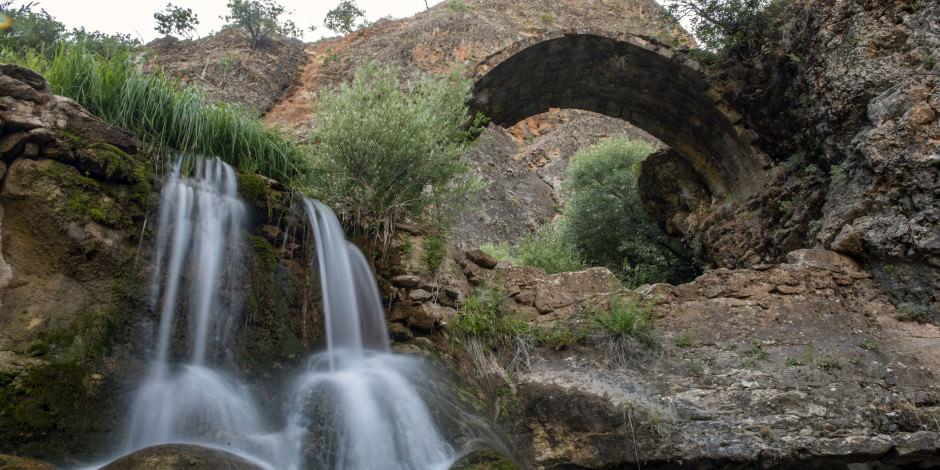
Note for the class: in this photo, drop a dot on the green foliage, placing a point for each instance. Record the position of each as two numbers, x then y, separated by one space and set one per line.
485 317
912 313
548 19
501 252
435 247
868 345
458 6
722 25
758 353
176 20
605 220
36 31
342 19
260 18
627 317
388 151
549 250
30 30
683 340
808 357
164 114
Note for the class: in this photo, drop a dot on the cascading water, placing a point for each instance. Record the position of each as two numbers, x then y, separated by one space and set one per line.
354 406
196 283
356 402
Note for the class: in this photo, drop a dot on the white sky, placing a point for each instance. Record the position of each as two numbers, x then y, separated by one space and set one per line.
135 17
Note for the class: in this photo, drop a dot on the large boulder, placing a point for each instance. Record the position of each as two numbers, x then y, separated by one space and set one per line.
181 456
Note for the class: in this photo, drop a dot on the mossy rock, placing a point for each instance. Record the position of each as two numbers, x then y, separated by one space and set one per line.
252 187
484 460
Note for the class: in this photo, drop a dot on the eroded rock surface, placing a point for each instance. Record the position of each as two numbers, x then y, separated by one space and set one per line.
799 364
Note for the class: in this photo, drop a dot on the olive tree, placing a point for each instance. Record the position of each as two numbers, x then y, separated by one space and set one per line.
342 19
176 20
260 18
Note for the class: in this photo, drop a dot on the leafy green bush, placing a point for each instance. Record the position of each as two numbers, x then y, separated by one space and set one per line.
501 252
342 19
260 18
386 150
549 250
176 20
485 317
627 317
163 114
605 220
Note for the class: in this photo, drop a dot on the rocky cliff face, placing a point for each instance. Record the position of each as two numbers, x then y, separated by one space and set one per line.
845 95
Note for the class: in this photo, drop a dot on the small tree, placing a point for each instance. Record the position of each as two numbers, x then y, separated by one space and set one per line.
176 20
342 19
260 18
720 25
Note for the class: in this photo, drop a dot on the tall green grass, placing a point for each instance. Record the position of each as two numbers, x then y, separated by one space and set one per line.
164 114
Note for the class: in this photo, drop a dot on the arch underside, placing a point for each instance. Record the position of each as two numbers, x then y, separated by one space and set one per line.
648 86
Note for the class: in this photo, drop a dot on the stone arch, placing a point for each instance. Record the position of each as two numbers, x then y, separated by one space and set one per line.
638 79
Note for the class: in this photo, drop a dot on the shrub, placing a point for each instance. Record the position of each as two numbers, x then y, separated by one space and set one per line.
342 19
260 18
176 20
627 317
549 250
386 150
605 221
484 317
163 114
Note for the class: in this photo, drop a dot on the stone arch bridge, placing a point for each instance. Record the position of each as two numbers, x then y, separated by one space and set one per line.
640 80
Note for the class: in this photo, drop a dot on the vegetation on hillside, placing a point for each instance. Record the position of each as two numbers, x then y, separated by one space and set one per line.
387 150
163 114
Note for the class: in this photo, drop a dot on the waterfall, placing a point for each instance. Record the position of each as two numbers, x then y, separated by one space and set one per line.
354 406
356 403
197 283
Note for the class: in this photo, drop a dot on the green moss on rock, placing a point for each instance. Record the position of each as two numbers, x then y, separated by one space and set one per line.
252 187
